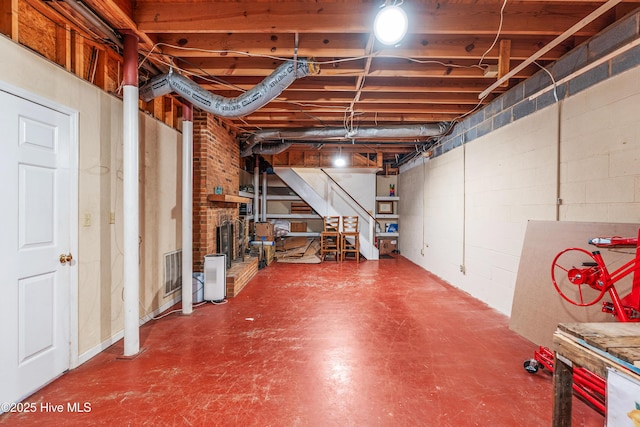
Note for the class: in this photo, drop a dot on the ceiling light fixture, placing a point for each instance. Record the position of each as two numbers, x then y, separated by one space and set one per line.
339 161
390 25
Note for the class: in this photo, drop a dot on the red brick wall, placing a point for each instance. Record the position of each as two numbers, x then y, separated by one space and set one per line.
216 162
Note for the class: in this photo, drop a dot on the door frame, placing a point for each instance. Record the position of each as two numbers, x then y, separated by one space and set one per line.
73 208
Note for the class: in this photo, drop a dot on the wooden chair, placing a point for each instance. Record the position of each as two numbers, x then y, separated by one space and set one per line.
350 237
330 238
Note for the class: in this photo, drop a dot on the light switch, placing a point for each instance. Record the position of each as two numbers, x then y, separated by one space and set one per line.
87 219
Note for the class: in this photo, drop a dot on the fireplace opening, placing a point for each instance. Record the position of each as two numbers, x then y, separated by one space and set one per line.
232 240
224 241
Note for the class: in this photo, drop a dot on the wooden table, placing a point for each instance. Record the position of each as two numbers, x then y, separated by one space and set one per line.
596 347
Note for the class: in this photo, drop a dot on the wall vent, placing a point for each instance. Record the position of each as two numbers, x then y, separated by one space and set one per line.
172 272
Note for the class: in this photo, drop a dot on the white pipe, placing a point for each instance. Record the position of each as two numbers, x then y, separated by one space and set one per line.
264 196
555 42
558 158
187 210
463 258
256 190
131 206
329 208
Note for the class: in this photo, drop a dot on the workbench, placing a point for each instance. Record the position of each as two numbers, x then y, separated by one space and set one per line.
596 347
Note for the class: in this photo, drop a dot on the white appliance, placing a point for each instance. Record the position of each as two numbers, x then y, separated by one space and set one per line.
215 277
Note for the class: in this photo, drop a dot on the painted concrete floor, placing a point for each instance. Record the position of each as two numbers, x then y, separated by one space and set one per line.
379 343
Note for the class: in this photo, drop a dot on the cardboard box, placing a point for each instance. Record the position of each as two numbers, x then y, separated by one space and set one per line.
387 246
264 229
298 227
294 242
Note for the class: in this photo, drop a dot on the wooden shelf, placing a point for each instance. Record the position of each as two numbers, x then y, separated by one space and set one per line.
284 197
387 216
227 198
394 234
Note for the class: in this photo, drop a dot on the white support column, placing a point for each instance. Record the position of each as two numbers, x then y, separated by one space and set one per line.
131 206
372 238
187 208
256 190
329 210
264 196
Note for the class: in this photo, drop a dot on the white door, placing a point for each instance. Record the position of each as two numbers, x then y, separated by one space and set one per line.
35 221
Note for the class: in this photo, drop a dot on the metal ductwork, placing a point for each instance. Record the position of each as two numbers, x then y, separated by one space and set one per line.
277 138
270 149
240 106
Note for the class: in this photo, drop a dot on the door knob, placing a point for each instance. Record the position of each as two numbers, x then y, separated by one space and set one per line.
64 258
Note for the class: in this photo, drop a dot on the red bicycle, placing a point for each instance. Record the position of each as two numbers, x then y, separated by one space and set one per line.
582 278
584 283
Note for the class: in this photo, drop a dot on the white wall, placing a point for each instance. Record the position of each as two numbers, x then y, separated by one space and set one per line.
359 183
472 203
100 254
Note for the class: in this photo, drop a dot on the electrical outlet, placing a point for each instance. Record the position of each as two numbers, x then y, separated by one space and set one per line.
112 217
462 269
87 219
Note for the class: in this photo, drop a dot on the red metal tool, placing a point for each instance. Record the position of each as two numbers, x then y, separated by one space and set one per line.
583 283
586 284
587 385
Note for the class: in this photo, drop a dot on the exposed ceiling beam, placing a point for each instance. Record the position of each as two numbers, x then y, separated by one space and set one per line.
568 33
353 17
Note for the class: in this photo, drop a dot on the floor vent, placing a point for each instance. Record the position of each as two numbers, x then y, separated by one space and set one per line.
172 272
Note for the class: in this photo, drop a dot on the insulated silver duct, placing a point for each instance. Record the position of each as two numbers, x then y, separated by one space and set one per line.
272 148
245 104
341 134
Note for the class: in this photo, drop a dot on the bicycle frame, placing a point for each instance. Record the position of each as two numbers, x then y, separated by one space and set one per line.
586 384
627 308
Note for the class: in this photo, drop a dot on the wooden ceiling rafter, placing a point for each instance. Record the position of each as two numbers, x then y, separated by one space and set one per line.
432 76
553 17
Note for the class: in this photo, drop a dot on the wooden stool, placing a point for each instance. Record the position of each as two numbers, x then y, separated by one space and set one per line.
330 238
350 237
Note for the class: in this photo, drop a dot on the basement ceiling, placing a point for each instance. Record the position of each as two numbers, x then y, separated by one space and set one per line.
436 74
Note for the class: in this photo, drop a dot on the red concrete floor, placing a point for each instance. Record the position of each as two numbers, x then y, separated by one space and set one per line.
379 343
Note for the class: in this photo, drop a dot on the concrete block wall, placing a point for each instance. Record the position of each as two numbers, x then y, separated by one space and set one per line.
443 214
516 159
518 103
474 202
216 162
600 152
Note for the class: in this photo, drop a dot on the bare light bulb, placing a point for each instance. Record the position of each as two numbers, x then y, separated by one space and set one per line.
390 25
